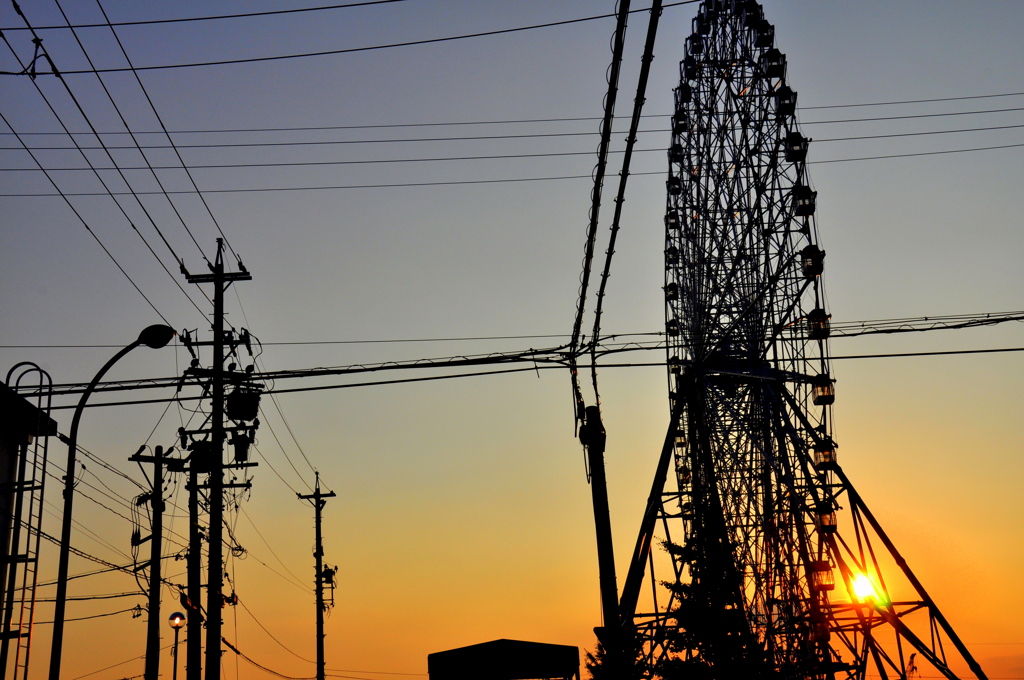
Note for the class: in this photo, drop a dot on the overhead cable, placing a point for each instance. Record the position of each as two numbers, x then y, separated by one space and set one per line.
515 121
561 154
352 50
85 224
244 15
177 153
127 127
541 135
103 182
620 198
618 45
508 180
538 368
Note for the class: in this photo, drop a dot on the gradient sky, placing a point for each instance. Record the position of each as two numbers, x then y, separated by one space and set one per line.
463 513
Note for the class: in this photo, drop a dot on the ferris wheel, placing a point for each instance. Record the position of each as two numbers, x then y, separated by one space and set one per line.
777 568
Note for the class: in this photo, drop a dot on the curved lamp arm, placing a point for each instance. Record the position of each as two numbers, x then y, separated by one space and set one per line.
156 337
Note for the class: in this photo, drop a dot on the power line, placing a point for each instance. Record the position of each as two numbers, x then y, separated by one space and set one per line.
266 543
106 188
559 154
298 474
348 342
509 180
920 153
262 667
944 114
538 368
359 162
515 121
912 101
283 646
83 598
136 608
223 145
351 50
177 153
151 22
609 344
135 141
84 223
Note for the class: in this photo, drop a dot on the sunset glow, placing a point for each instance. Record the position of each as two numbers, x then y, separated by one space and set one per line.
864 588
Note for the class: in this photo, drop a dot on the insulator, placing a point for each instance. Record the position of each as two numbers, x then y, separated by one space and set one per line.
785 101
804 200
812 261
818 327
773 64
796 147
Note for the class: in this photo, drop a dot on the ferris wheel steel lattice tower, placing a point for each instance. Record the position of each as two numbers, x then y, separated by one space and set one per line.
775 566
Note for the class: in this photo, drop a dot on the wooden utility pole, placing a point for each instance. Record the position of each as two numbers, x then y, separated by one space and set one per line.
194 581
156 504
209 457
318 500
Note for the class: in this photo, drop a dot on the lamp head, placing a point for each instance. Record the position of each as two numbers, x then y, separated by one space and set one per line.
156 336
177 620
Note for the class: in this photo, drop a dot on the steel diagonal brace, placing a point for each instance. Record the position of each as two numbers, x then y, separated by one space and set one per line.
642 551
933 610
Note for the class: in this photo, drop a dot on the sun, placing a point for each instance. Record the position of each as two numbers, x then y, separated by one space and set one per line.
865 589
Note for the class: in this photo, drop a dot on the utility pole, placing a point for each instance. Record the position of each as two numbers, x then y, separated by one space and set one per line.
156 503
194 580
208 456
318 500
593 436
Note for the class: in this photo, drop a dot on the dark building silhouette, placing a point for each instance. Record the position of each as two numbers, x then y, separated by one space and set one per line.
505 660
23 429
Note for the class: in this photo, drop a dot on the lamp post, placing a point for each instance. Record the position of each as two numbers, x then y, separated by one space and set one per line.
155 337
177 621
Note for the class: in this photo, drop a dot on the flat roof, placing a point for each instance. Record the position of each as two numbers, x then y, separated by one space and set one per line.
19 418
505 660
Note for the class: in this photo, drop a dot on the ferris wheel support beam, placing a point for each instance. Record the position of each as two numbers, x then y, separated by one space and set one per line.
933 611
642 551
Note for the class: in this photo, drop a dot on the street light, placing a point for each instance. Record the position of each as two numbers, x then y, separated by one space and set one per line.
156 336
176 622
